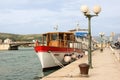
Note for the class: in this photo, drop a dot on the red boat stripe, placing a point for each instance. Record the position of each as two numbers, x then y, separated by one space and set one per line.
54 49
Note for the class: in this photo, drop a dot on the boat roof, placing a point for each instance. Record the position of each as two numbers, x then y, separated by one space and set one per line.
58 33
81 34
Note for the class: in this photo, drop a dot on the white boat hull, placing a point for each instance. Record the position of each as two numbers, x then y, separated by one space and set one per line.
49 61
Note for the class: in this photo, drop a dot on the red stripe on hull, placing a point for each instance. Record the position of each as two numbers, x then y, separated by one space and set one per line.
54 49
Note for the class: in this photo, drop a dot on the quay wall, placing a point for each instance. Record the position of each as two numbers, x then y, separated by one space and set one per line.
4 46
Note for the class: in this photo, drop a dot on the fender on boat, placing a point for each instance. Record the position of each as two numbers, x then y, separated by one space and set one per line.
67 58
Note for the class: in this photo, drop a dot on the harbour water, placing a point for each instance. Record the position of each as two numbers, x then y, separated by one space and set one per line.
22 64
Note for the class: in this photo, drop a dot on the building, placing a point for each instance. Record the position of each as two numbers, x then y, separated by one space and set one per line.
7 41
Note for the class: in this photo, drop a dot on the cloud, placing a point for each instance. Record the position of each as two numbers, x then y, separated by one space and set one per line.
42 15
24 16
24 4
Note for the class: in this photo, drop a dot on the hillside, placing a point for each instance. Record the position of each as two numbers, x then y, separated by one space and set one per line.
18 37
30 37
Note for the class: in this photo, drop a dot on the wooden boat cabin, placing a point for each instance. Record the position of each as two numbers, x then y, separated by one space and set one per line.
58 39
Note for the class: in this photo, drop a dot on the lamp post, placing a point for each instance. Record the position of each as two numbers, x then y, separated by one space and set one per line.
112 38
85 10
101 35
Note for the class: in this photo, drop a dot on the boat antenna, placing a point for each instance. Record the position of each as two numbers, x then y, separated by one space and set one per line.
56 28
77 27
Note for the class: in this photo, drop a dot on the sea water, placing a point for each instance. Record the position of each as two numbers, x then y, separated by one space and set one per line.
22 64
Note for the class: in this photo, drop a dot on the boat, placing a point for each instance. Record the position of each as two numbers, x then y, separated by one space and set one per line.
57 49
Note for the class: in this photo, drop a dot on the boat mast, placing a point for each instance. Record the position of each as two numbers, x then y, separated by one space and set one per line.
56 28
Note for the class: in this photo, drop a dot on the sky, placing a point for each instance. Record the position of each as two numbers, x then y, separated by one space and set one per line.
40 16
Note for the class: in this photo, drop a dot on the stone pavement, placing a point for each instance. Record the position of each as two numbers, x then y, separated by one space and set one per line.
105 67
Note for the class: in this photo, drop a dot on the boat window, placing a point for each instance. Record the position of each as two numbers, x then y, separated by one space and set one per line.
69 37
44 38
61 36
54 36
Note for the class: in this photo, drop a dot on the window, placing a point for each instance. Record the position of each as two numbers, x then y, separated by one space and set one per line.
54 36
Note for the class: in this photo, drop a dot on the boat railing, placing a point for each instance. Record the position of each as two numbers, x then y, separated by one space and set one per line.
39 43
63 43
74 44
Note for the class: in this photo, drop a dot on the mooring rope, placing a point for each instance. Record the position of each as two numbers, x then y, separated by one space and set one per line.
56 60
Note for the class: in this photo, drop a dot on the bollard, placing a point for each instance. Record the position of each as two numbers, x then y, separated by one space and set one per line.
101 50
84 69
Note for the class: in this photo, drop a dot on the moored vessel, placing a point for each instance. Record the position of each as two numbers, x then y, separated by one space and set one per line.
57 49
